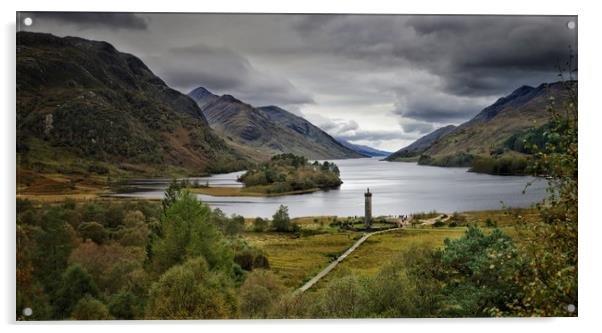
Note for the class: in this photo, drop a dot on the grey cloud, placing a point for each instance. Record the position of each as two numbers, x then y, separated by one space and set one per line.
90 20
336 126
224 71
422 104
351 131
416 126
376 136
474 55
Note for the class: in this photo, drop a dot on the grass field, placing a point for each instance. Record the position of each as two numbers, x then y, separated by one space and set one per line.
378 250
296 260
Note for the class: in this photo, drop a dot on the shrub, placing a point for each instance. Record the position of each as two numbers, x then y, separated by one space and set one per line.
479 272
191 291
235 225
259 224
123 305
93 212
75 284
490 223
89 308
343 298
109 265
259 293
93 231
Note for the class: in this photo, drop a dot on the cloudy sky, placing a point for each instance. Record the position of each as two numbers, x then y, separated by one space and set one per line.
381 80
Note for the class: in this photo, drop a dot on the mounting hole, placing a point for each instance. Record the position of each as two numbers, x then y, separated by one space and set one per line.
571 25
28 21
27 312
571 308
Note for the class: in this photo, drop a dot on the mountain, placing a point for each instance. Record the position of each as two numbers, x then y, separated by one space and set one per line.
420 145
364 150
202 96
83 107
261 132
493 132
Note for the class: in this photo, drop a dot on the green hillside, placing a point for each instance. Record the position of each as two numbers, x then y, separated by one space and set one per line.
493 141
86 111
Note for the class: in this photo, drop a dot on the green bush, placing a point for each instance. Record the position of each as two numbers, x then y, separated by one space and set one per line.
478 271
186 232
75 284
259 294
191 291
490 223
259 224
93 231
124 305
89 308
235 225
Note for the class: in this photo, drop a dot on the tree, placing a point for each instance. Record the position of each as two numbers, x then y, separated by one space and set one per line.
550 246
191 291
478 271
281 221
124 305
235 225
186 232
259 224
344 297
171 194
93 231
54 241
89 308
76 283
30 293
109 264
259 293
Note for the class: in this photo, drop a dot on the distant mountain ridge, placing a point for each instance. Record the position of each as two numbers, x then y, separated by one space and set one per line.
486 135
364 150
261 132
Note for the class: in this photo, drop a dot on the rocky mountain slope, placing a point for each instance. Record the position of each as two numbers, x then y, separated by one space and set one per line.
83 108
261 132
488 133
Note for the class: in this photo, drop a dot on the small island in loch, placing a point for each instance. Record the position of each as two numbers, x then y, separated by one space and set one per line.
282 175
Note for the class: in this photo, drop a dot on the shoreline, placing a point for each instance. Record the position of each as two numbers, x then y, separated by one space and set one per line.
242 192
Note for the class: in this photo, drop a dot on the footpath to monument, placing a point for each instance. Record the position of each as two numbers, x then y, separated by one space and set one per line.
333 264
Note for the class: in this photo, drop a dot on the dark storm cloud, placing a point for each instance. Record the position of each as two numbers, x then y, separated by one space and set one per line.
224 71
416 126
89 20
472 54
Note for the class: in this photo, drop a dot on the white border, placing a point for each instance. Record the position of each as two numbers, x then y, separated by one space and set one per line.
590 142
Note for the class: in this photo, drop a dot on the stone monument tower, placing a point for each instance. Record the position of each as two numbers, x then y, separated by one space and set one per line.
368 209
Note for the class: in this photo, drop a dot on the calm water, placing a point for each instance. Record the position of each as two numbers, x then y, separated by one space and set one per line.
398 188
